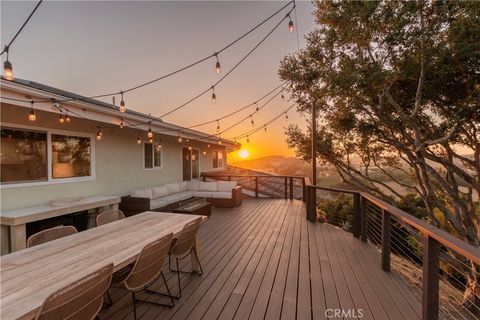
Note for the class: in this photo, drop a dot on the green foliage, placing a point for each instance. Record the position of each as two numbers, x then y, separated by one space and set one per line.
339 211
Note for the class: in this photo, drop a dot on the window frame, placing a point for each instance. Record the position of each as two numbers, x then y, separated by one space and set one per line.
154 144
215 159
50 180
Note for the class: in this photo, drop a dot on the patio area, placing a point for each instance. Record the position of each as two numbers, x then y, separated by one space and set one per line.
263 260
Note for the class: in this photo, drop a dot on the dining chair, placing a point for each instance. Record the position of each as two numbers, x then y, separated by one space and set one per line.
109 216
182 247
50 234
145 271
80 300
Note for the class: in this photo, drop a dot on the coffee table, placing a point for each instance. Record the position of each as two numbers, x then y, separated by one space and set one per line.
199 206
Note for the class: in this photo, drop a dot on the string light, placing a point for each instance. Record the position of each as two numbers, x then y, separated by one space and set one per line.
248 139
150 140
8 68
286 116
214 96
282 96
256 107
251 121
67 118
204 152
61 119
179 139
31 114
291 27
190 148
99 134
121 123
139 141
218 125
122 107
265 128
217 65
208 146
149 133
188 140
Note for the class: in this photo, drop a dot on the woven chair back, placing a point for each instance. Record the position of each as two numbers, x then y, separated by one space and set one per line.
81 300
186 240
50 234
109 216
149 263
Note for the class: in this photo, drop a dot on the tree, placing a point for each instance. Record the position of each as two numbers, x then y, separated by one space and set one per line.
398 87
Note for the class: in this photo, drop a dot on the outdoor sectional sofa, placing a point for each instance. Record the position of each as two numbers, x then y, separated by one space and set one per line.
225 194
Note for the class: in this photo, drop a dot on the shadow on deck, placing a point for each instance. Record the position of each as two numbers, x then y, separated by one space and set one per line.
265 261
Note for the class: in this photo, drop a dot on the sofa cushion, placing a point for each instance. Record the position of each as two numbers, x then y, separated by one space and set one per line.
207 186
192 185
179 196
157 203
203 194
226 186
222 195
183 186
142 193
173 188
160 191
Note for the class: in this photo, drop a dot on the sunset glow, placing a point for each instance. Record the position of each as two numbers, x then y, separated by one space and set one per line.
244 153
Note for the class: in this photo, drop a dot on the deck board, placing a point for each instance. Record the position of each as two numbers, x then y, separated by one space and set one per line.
265 261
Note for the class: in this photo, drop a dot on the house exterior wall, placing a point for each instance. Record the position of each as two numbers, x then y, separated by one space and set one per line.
118 161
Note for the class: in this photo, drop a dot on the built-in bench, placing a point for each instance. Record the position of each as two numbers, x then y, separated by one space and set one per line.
225 194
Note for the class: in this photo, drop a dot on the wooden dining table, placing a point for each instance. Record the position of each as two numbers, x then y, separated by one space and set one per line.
29 276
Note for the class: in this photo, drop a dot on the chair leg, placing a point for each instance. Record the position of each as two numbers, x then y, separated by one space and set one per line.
179 284
134 305
198 260
168 294
109 301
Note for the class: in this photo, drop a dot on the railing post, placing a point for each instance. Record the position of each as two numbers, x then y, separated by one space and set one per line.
311 203
291 188
256 186
363 219
430 276
286 188
304 191
356 215
386 234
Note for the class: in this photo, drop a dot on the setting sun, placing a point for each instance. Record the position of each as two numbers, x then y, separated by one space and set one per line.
244 153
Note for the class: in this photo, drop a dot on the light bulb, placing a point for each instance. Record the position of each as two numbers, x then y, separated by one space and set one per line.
61 119
99 135
208 146
150 140
150 133
67 118
121 123
179 139
32 116
214 97
291 27
8 70
139 141
122 107
218 126
204 152
248 139
219 141
286 116
265 128
282 96
189 147
252 122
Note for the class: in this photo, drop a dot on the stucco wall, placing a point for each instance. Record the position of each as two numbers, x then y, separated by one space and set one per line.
118 162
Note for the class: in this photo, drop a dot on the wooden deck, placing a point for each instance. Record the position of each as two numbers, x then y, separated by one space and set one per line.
265 261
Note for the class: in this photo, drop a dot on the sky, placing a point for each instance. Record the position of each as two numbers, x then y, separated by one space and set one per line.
95 47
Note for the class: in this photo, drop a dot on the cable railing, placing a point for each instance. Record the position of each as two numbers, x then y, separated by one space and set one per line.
265 186
439 271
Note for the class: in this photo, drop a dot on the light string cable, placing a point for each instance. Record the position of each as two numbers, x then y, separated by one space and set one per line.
247 117
249 133
7 46
83 98
228 73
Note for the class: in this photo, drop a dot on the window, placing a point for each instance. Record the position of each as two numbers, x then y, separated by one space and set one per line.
71 156
217 159
23 156
152 155
36 157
